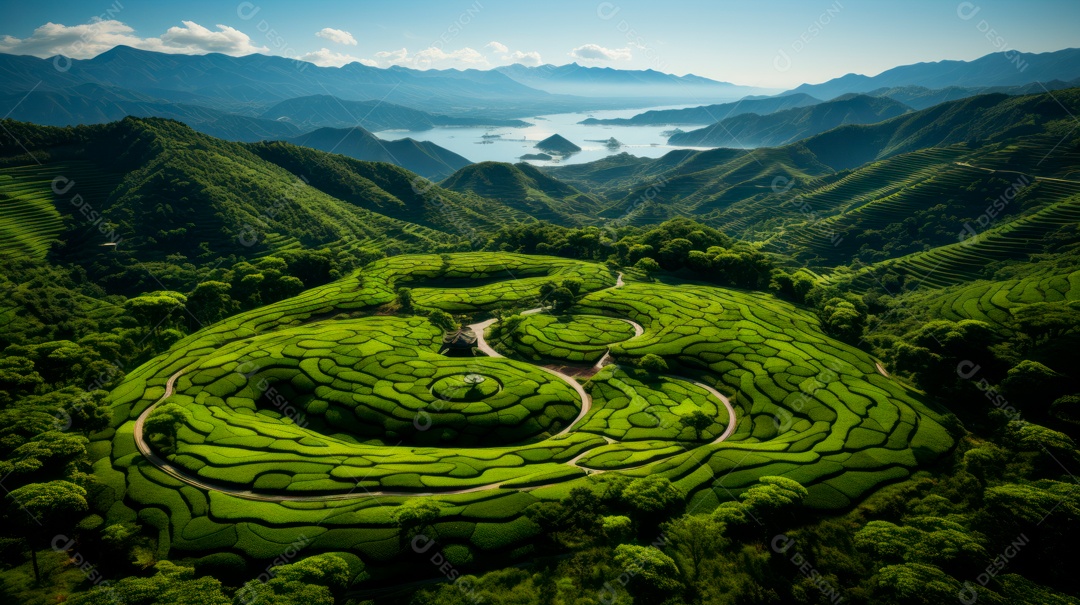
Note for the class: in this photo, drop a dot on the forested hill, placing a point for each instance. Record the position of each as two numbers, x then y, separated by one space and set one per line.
422 157
158 189
526 187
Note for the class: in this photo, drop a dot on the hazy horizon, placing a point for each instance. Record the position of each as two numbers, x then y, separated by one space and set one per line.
777 46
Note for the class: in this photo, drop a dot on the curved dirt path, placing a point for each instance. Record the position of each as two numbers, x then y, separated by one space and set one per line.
722 437
182 474
586 400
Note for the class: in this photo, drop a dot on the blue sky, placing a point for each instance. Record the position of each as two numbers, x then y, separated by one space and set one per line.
774 44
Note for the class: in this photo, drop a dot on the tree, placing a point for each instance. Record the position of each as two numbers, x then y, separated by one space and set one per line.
648 265
50 455
314 267
66 409
673 254
574 285
171 584
561 299
247 288
653 574
41 510
773 494
311 581
166 421
546 290
767 499
931 540
693 540
210 303
443 320
652 495
1066 409
405 298
1043 321
843 320
918 584
156 308
572 521
617 528
654 364
415 516
697 420
17 375
1032 384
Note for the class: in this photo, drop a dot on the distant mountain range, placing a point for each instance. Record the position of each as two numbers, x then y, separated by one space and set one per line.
324 110
708 114
574 79
920 97
260 97
997 69
245 84
782 127
94 103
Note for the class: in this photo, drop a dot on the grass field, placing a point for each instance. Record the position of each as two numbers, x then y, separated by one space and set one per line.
318 398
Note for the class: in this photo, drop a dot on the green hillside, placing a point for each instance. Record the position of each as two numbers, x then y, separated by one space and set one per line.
165 189
524 187
790 125
423 158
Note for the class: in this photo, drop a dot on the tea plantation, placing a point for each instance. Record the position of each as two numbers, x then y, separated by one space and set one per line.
317 417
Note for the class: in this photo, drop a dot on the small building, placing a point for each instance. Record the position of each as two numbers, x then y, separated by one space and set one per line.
459 343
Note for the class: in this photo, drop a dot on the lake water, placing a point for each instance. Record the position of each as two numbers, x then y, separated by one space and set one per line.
509 144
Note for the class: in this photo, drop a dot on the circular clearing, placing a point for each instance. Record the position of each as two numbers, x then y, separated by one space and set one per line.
465 387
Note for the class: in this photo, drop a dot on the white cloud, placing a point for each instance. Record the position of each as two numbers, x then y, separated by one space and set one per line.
91 39
595 52
338 36
525 58
433 57
391 57
531 59
325 57
194 38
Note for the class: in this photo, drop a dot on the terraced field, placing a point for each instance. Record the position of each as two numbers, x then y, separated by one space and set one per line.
967 260
993 301
813 199
318 417
29 219
575 338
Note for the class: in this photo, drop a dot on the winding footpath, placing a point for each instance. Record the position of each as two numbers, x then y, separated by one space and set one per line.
182 474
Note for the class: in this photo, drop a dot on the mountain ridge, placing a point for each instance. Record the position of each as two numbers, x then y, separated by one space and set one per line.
789 125
1008 68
